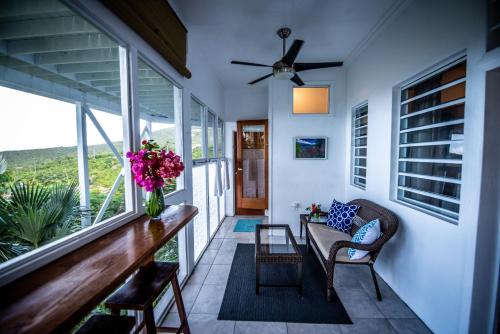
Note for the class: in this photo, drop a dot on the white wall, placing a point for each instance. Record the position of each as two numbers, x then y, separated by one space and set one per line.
245 103
429 263
305 181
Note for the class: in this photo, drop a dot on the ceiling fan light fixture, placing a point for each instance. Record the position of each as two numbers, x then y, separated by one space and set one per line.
283 73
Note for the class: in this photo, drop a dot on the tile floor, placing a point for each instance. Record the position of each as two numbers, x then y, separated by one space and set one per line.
204 291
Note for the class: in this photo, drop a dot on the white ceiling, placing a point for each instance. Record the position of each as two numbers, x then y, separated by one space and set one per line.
246 30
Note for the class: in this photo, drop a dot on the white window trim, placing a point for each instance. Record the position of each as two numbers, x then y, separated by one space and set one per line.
353 147
396 117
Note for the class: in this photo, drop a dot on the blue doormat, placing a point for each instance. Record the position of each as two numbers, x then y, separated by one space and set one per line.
246 225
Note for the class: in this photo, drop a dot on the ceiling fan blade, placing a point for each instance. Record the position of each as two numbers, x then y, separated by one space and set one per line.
247 63
260 79
297 80
292 53
311 66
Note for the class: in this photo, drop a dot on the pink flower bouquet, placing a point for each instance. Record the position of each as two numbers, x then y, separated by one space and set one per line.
152 167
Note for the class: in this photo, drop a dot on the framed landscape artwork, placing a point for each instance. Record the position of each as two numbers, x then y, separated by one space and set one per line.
310 148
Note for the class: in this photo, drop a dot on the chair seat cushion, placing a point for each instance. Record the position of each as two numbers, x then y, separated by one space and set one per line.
325 237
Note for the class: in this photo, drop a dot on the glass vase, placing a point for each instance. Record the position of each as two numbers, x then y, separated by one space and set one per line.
155 203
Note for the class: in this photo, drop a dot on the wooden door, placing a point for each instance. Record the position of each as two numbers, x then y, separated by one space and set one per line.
252 156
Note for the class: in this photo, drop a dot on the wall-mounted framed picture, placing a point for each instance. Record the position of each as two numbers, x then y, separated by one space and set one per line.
307 148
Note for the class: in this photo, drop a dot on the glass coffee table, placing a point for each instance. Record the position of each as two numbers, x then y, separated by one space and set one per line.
275 244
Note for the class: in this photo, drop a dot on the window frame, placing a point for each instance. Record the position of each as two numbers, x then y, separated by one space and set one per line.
396 131
354 147
110 25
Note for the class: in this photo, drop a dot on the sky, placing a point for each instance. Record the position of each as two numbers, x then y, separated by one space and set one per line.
29 121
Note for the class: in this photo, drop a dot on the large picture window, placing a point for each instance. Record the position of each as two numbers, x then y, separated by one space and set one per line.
430 143
61 127
359 145
159 110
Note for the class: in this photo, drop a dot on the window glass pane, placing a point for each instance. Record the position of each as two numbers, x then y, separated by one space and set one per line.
450 132
220 138
359 141
107 190
360 162
432 152
453 171
311 100
430 182
54 56
197 130
212 198
443 96
431 186
436 116
432 204
453 73
211 134
159 105
200 201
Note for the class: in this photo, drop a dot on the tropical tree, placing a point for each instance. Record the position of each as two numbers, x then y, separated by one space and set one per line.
33 216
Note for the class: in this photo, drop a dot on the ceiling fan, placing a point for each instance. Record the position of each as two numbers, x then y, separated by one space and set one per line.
286 68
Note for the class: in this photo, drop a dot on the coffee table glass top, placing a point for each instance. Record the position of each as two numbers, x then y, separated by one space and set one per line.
275 239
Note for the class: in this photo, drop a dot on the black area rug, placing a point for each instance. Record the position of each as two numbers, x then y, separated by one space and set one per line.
279 303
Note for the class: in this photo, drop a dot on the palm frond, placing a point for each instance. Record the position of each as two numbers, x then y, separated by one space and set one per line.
28 196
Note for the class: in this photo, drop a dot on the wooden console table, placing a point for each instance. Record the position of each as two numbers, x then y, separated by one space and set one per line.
57 296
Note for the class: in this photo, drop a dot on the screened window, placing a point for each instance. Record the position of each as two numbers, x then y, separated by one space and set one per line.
61 126
359 145
431 138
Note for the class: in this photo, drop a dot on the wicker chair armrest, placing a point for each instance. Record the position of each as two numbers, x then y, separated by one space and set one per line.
349 244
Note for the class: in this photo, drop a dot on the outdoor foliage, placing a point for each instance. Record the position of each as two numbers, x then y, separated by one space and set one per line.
48 174
33 216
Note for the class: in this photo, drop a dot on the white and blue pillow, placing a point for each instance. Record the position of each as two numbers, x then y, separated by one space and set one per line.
366 235
341 215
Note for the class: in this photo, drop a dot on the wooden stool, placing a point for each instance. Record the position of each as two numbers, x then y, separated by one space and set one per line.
141 291
105 323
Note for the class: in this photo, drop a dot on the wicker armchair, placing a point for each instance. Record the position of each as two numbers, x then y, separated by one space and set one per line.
331 246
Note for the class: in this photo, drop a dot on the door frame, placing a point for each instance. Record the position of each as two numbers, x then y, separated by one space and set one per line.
238 164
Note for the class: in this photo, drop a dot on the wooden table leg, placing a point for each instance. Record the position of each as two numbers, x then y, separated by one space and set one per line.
180 306
149 320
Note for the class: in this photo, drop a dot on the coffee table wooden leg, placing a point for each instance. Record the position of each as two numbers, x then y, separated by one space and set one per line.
299 268
257 277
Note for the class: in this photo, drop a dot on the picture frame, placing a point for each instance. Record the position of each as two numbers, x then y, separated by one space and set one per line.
310 148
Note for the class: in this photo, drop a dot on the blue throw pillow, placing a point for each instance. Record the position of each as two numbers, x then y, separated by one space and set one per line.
366 235
340 216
